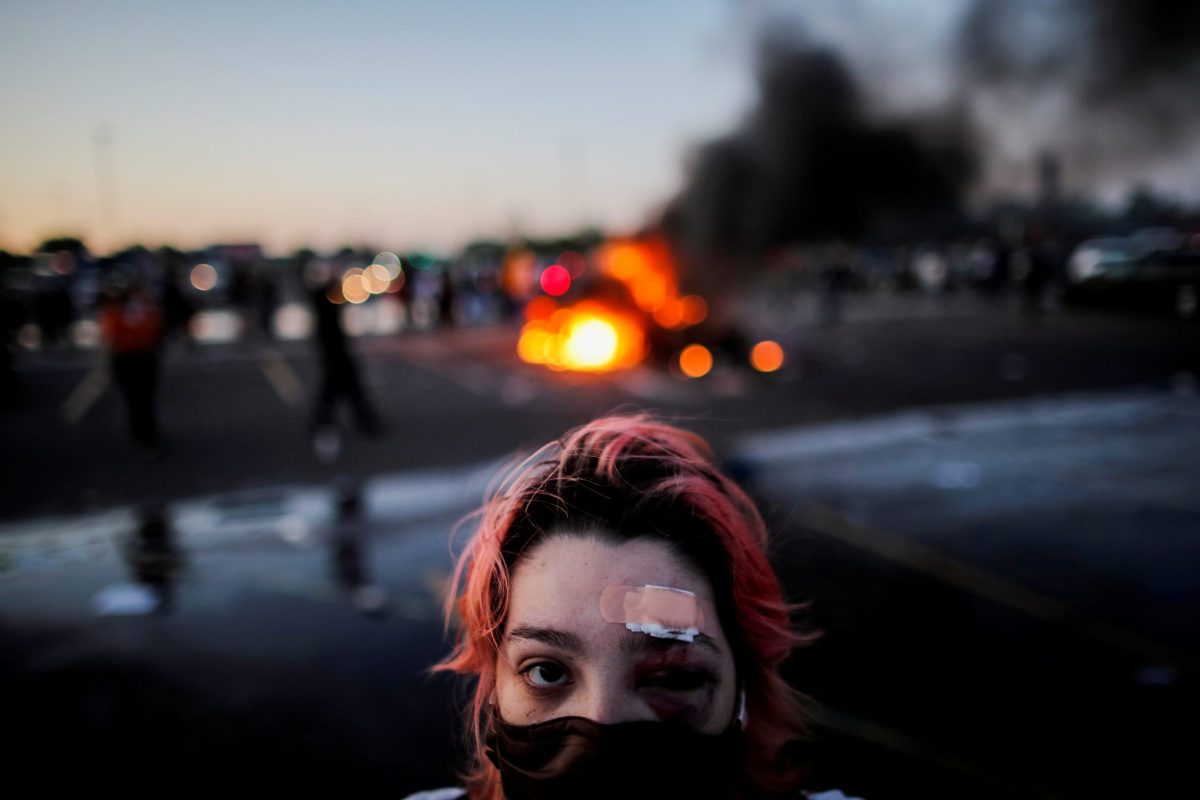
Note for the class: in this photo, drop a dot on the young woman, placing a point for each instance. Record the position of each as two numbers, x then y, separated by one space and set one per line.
624 628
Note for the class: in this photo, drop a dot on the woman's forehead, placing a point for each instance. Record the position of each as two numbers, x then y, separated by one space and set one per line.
566 574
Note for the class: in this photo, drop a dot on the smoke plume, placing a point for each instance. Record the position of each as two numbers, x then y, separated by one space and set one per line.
1112 85
810 162
1110 88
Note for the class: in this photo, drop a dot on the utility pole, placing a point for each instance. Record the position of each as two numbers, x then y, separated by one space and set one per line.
106 188
574 180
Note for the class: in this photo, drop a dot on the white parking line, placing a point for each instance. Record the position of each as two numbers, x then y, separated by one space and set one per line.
282 378
90 389
975 580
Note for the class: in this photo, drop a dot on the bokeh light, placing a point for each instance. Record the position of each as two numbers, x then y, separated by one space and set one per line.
203 277
555 280
85 333
695 309
670 315
766 356
587 337
376 279
695 361
390 262
540 308
397 282
535 343
517 273
29 336
591 343
354 289
574 263
650 291
292 321
647 269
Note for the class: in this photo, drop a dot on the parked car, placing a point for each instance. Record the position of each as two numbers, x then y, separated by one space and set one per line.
1109 273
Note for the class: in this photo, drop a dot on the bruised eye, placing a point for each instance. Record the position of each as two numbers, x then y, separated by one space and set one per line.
678 680
546 675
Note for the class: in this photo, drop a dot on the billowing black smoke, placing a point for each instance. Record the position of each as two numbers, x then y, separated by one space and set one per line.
811 164
1133 63
1110 88
1121 77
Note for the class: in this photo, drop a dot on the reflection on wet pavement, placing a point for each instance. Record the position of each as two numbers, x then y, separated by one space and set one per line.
1008 560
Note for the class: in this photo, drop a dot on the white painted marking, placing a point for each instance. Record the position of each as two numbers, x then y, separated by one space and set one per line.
87 392
1028 416
282 378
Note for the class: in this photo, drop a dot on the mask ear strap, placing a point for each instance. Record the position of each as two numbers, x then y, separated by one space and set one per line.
742 717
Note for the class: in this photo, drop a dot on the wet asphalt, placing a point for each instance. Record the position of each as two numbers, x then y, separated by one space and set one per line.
992 520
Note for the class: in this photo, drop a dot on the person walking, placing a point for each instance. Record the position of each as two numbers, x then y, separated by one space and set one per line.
131 326
339 369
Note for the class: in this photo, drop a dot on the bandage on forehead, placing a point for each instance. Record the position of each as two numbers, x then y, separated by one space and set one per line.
660 611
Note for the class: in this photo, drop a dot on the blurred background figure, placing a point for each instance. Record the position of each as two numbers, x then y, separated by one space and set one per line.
347 549
11 317
178 309
1045 265
53 311
154 557
339 369
241 299
267 303
446 299
837 278
131 324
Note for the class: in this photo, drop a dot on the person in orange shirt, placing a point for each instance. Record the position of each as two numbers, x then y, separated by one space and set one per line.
131 326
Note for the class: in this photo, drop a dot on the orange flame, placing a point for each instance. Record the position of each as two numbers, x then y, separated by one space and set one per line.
587 337
646 268
595 337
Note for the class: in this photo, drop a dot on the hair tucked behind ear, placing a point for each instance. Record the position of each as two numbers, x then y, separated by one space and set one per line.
632 476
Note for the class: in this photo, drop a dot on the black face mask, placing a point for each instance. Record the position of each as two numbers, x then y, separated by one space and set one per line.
573 757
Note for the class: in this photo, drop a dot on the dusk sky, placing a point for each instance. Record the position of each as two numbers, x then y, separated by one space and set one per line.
427 125
317 123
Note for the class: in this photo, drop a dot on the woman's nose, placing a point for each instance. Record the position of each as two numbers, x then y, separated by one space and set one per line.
609 701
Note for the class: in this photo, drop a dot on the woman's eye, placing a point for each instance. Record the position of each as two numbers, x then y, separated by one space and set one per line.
546 675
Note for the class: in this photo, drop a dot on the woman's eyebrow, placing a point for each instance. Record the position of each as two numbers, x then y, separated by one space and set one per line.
639 642
631 643
563 640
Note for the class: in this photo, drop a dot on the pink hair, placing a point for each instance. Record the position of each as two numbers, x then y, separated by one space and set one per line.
631 476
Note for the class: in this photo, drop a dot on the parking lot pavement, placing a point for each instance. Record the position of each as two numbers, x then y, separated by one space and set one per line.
1000 585
271 643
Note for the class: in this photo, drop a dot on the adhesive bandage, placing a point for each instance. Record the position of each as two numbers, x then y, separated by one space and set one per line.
660 611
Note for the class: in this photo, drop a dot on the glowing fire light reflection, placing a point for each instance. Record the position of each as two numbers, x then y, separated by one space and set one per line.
203 277
354 289
555 280
695 309
574 263
596 337
588 337
540 308
390 262
376 279
766 356
695 361
645 267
